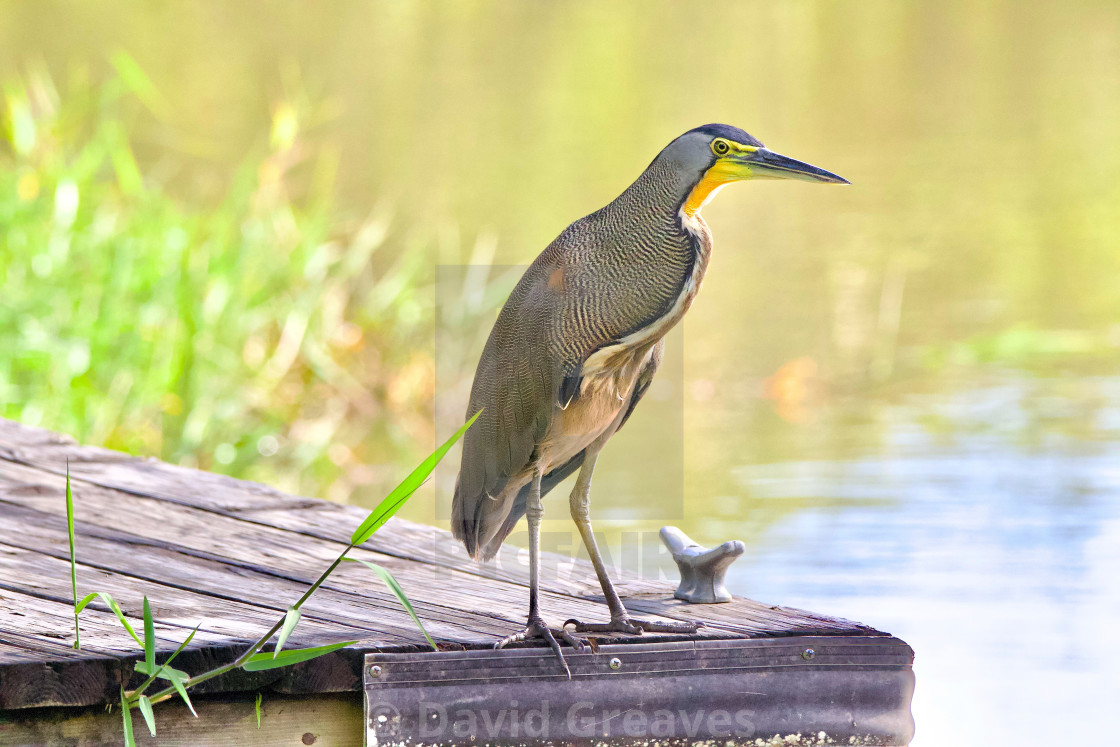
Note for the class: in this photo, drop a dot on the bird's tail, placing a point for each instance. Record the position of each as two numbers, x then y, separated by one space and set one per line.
482 523
463 525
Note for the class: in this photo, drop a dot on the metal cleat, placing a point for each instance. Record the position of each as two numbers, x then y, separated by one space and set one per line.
702 570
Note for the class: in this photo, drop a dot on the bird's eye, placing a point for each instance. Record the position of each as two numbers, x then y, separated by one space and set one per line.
720 147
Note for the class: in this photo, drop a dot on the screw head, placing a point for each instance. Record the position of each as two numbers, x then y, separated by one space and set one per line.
808 654
615 663
375 671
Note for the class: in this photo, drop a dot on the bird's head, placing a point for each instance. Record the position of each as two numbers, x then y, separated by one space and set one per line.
711 156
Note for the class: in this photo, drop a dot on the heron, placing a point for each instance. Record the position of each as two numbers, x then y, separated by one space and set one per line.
576 347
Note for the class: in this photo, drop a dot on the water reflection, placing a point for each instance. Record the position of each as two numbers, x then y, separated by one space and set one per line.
994 556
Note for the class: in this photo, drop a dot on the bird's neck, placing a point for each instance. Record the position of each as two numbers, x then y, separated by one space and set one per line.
666 203
660 196
655 209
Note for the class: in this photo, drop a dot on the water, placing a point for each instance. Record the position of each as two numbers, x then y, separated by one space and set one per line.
995 561
901 394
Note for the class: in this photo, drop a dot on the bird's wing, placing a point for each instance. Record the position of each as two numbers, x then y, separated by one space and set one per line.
515 386
558 475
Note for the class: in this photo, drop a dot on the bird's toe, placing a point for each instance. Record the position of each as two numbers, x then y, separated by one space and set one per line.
537 629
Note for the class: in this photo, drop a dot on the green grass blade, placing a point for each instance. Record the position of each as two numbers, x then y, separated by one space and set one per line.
73 561
167 672
408 486
177 682
182 646
149 637
126 718
291 619
116 608
146 711
262 661
258 709
399 592
163 671
85 600
177 677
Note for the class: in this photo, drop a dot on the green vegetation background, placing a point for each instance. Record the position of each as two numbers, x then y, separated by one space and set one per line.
207 331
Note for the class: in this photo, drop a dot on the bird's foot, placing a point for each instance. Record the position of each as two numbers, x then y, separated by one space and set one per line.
627 624
536 628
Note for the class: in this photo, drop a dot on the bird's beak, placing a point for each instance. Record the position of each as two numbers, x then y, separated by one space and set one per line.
761 163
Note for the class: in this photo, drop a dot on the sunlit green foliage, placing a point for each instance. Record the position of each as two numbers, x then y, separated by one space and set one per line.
208 332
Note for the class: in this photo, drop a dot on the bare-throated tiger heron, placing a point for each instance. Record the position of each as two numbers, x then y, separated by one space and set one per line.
578 343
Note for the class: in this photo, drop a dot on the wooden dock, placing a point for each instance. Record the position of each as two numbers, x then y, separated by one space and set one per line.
230 556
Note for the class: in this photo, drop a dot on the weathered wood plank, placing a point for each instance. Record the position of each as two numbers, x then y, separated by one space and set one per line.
324 721
245 542
299 557
46 577
37 673
34 664
747 617
49 578
236 623
374 609
50 623
233 555
51 452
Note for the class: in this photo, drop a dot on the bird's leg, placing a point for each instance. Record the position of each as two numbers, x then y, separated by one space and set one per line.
621 622
536 627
